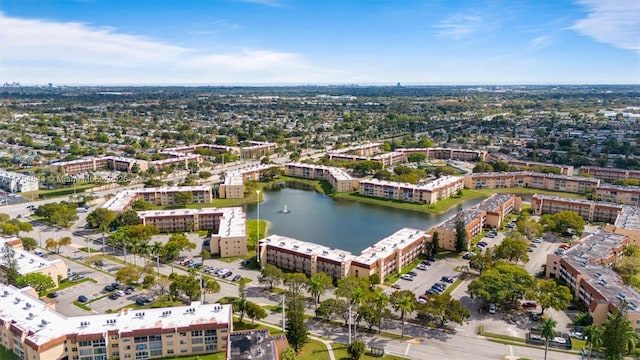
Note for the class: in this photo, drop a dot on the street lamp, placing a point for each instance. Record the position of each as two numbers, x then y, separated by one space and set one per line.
258 232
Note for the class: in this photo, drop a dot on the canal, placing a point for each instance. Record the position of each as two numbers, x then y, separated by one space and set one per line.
336 223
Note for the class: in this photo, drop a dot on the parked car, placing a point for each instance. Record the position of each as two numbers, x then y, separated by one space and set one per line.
529 304
426 262
437 290
529 249
537 240
116 285
52 295
119 293
576 335
82 299
447 279
533 316
468 255
396 286
492 308
431 258
236 278
422 267
129 290
113 296
109 288
412 273
430 292
406 277
227 274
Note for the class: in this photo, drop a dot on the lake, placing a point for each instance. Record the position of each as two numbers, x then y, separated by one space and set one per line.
336 223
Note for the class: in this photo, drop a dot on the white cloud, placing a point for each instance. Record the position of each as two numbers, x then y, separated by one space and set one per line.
37 51
459 26
615 22
540 42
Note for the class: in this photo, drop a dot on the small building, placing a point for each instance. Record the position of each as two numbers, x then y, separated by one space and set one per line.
14 182
28 262
255 345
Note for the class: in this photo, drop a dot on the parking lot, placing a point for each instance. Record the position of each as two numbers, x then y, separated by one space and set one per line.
426 278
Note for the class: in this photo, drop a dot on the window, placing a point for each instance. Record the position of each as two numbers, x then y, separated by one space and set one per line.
114 346
85 343
74 349
182 333
115 354
88 351
156 353
196 333
196 341
168 335
170 351
198 349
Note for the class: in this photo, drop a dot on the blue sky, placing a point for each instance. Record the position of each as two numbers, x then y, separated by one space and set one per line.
220 42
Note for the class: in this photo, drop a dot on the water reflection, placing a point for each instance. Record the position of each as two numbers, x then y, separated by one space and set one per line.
337 223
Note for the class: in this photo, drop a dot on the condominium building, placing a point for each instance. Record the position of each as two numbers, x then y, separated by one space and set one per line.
29 262
233 185
586 269
587 209
33 330
489 213
627 223
16 182
628 195
527 179
337 178
178 160
158 196
564 169
429 193
368 149
227 226
93 164
257 149
254 150
385 257
610 174
449 154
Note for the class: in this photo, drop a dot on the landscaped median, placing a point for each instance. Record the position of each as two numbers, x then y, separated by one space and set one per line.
516 341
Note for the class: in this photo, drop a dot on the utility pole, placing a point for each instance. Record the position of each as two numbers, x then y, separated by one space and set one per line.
283 315
349 343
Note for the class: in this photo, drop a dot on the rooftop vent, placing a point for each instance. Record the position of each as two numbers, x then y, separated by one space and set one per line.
43 322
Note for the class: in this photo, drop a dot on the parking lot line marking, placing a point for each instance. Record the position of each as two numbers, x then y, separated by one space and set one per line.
407 350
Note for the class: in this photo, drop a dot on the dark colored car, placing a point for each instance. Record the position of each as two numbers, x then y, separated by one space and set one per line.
52 295
447 279
113 296
82 299
534 317
109 288
236 278
529 304
129 290
431 258
427 262
116 285
412 273
227 275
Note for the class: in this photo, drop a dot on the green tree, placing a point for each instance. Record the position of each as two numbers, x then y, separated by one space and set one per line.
566 220
271 275
100 217
379 301
548 331
417 157
482 261
51 244
403 301
461 233
57 214
502 284
255 312
64 241
446 309
296 330
186 285
39 282
9 229
550 294
482 167
512 248
592 338
4 218
126 218
288 354
618 336
9 264
157 249
141 205
183 198
318 284
242 298
356 349
29 243
128 274
353 289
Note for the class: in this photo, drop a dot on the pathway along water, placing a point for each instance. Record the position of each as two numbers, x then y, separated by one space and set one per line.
337 223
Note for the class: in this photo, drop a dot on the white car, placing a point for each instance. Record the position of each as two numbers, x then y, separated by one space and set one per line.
537 241
422 267
492 308
120 293
407 277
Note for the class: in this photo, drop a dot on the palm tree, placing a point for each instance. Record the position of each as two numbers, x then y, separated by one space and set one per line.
170 254
317 286
380 300
405 305
592 337
119 239
157 249
134 246
548 331
145 250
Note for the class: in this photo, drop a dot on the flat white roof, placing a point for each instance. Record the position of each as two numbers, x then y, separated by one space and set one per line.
385 247
434 185
123 199
44 324
28 262
337 173
232 219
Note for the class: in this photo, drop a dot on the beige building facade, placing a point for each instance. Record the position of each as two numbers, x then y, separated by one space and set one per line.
429 193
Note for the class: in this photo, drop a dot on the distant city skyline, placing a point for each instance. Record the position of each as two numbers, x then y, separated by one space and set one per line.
288 42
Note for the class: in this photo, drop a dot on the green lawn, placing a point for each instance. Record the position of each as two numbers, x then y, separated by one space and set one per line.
340 352
313 350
